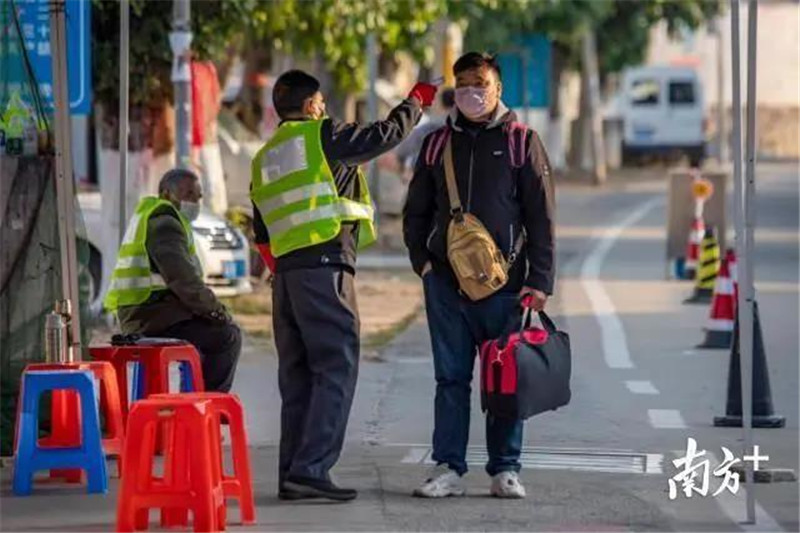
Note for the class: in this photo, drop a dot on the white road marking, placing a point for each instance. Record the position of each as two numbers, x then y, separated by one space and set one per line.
666 419
641 387
734 506
416 455
615 347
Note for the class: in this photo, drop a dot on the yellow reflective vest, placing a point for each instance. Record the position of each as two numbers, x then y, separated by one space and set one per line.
294 190
133 281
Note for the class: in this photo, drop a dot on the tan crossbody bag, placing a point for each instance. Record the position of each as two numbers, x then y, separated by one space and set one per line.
476 259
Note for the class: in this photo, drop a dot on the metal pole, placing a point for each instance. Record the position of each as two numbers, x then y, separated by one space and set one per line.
746 288
65 186
372 108
722 118
180 40
124 93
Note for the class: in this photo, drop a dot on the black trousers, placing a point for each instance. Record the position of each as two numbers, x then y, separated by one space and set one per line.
315 318
219 346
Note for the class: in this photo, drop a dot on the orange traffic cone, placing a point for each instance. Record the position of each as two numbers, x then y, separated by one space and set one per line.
693 247
719 330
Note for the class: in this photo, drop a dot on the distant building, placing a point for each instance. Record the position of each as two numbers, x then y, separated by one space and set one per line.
778 81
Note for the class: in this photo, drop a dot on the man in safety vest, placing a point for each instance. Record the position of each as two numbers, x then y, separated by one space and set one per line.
157 287
312 211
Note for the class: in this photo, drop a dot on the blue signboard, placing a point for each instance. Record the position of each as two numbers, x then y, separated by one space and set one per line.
539 53
34 18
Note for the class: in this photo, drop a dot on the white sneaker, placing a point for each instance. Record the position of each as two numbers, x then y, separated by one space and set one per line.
507 485
441 483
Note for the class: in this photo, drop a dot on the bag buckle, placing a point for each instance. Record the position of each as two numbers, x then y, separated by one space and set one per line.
457 214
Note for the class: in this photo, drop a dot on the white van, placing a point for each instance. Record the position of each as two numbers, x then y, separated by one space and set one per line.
662 111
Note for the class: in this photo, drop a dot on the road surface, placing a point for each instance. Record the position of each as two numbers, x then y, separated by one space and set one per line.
640 389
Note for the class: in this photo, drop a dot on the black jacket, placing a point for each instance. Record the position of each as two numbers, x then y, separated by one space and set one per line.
187 297
346 145
506 199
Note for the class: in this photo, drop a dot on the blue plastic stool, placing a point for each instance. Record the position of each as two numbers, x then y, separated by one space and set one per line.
30 457
139 382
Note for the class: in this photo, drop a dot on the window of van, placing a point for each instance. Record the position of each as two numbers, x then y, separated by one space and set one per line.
645 92
681 92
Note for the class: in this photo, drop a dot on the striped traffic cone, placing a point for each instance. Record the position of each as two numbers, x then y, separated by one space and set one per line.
730 256
693 247
719 329
707 271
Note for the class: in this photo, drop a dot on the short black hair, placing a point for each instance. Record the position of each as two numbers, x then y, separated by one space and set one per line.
173 179
291 91
448 98
472 60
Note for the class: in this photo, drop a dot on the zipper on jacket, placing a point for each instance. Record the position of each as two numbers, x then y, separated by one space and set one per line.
469 183
430 237
510 239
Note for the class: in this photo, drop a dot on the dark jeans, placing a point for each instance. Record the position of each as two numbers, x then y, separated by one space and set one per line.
316 324
457 327
219 346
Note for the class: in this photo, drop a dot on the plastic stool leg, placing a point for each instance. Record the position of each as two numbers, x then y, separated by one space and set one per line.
187 384
142 519
92 444
176 471
65 419
241 463
139 382
27 429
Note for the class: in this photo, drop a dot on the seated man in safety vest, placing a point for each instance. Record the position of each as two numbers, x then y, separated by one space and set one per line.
157 287
312 210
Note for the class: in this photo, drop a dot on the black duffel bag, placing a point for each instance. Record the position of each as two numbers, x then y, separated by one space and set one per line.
527 370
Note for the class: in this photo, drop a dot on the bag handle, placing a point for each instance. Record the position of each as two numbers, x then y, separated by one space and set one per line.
456 209
547 322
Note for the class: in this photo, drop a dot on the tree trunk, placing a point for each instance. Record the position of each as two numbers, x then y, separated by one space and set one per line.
595 119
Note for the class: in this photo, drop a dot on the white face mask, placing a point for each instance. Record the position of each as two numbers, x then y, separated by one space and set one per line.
191 210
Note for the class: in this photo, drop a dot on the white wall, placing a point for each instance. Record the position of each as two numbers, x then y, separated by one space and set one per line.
778 58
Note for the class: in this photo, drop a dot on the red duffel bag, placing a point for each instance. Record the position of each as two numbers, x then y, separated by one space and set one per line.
527 370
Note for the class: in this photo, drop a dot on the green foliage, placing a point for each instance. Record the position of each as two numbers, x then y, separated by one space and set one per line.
336 31
215 26
622 26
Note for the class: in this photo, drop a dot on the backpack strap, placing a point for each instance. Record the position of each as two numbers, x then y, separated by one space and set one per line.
517 133
436 145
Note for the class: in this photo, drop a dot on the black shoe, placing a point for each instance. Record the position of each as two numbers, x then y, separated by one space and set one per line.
317 488
291 495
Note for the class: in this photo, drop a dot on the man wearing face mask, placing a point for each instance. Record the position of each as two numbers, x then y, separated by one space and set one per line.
312 212
157 287
502 176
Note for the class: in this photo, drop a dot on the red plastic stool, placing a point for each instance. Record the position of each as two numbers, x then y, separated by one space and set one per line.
192 479
240 485
66 414
156 360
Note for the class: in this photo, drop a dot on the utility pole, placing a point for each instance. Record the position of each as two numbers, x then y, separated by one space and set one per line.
180 39
124 93
592 86
65 184
722 115
372 108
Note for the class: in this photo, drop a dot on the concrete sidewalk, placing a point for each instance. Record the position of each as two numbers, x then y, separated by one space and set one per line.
557 500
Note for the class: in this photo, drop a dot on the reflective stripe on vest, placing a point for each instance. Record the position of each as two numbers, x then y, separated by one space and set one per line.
344 210
133 281
294 190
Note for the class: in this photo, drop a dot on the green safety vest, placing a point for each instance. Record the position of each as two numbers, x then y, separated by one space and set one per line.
293 188
133 281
